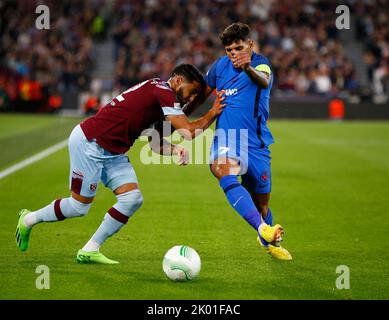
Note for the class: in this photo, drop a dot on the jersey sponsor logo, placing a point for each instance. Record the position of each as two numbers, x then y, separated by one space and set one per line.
231 92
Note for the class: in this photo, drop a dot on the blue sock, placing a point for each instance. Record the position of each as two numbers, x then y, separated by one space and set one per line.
269 218
240 200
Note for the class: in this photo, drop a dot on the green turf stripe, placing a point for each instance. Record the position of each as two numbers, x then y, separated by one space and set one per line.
22 145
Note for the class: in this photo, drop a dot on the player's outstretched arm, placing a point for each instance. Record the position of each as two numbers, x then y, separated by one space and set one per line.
190 129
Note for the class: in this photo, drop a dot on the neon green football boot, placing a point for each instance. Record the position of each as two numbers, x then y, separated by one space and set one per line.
22 235
93 257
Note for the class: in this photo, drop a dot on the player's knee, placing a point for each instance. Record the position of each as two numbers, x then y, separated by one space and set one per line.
224 166
79 208
129 202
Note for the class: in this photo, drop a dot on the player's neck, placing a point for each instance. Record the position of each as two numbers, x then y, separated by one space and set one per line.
169 83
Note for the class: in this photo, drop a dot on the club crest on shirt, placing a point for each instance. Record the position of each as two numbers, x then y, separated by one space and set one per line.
93 187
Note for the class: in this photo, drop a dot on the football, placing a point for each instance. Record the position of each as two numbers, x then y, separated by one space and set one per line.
181 263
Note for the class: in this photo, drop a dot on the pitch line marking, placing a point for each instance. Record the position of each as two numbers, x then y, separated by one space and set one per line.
39 156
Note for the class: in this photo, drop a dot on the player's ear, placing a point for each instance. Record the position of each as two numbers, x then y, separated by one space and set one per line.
176 80
180 79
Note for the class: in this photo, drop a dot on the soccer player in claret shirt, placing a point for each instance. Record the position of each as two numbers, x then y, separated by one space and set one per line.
246 78
97 148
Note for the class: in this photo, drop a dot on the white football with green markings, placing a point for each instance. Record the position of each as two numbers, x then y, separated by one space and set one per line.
181 263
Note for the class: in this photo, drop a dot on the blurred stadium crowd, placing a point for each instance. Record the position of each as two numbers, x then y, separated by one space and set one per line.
373 30
151 36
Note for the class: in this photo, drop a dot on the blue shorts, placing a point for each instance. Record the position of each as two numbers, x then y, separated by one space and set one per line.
90 163
257 179
254 163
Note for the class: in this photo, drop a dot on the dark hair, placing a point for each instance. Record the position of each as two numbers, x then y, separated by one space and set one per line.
190 73
235 32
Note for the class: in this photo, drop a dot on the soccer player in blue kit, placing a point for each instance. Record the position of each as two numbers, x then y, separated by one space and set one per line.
241 143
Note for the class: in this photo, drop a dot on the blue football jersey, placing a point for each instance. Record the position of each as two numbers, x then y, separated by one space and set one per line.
247 105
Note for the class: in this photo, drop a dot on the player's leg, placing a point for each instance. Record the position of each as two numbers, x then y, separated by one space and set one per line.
262 203
59 210
120 177
226 170
261 200
258 182
85 174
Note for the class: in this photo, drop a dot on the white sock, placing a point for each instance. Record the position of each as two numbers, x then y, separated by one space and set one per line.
45 214
30 219
108 227
115 218
91 245
68 208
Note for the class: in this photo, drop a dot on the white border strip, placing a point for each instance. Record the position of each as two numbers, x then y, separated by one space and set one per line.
39 156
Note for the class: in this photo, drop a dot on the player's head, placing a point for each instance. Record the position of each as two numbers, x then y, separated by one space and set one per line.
236 38
187 82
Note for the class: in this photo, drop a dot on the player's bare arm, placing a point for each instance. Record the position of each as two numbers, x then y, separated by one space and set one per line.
190 129
260 78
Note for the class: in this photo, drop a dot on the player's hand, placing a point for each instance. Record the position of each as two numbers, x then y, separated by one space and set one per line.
218 104
242 60
183 154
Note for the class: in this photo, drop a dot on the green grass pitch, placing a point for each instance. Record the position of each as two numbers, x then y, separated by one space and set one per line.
330 192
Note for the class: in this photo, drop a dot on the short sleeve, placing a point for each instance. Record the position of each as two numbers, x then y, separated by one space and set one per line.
210 77
167 101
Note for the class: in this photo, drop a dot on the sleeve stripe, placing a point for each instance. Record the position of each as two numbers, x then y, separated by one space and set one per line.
163 87
172 111
263 68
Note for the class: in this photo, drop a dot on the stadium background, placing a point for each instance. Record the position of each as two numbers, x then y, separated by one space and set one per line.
330 177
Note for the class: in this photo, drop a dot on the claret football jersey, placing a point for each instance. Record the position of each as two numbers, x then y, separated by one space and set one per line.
119 123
